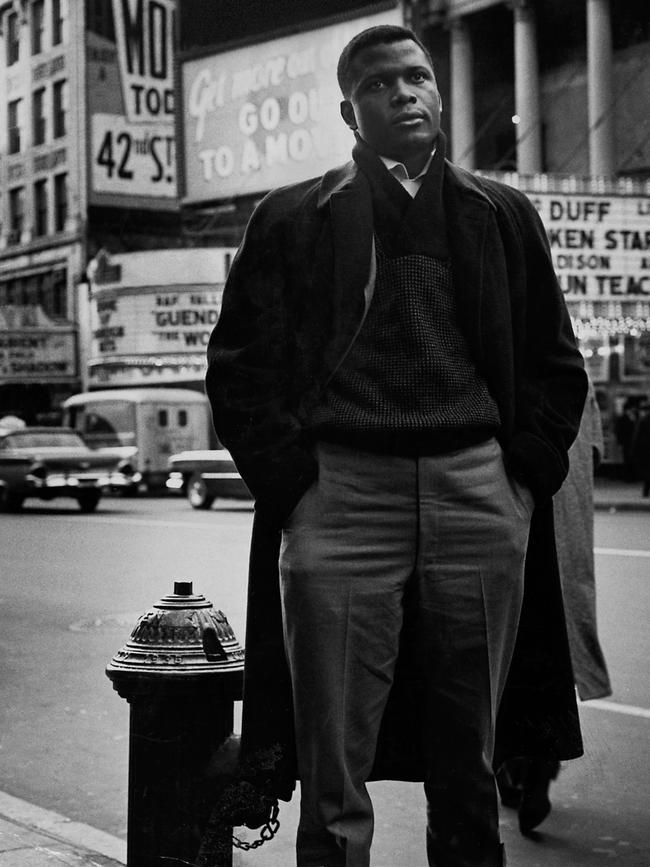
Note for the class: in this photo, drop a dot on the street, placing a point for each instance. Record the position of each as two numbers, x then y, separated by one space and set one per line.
73 585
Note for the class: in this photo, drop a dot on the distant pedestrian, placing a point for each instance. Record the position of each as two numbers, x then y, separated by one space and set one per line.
524 783
624 426
641 447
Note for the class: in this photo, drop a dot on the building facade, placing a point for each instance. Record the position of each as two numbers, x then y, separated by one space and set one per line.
87 162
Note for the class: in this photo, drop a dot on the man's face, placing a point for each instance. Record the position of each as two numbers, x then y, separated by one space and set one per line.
394 102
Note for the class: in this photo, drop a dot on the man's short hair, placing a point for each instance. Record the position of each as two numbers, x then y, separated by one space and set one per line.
382 34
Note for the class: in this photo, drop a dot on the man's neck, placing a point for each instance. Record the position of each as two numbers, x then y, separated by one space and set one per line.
413 163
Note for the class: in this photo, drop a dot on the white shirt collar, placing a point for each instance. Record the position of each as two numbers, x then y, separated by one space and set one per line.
398 170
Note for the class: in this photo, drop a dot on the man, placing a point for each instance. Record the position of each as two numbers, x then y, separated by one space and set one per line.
395 375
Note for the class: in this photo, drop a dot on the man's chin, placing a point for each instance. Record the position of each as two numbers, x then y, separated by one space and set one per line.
415 144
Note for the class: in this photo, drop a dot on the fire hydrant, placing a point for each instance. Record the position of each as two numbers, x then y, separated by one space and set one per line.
181 672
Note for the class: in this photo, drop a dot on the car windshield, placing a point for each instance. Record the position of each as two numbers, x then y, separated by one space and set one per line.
104 423
44 439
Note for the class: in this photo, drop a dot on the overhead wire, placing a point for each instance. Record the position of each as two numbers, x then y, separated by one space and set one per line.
584 138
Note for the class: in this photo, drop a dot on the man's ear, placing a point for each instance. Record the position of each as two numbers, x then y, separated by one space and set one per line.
347 113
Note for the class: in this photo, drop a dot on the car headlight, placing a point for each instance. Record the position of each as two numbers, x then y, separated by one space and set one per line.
38 471
126 468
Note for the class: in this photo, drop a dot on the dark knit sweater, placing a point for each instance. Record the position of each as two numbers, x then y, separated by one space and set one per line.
408 384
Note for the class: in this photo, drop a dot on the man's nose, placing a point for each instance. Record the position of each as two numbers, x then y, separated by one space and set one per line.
402 93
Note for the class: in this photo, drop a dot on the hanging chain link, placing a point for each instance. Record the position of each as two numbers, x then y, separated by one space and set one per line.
267 832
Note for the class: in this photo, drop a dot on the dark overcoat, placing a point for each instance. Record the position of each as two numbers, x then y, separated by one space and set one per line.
293 304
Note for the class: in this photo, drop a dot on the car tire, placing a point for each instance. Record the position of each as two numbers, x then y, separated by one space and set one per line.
197 493
88 500
10 501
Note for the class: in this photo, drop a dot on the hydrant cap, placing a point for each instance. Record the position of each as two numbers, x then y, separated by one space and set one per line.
182 636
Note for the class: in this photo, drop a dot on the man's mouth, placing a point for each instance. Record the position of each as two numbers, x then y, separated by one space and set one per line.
408 119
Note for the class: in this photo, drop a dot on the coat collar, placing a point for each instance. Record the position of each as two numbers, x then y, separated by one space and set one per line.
349 177
338 180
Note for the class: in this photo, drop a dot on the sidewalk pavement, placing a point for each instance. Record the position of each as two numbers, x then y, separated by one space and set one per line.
33 837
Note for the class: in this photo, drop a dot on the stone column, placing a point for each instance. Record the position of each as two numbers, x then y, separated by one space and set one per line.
527 100
462 96
600 88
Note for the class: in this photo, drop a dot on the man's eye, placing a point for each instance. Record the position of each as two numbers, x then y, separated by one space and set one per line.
376 84
419 77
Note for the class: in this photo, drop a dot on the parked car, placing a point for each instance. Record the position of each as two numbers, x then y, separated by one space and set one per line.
205 475
49 462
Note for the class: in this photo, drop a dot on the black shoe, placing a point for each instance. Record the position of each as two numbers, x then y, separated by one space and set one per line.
535 803
508 779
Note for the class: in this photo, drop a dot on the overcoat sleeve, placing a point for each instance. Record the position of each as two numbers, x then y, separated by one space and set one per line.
247 378
551 383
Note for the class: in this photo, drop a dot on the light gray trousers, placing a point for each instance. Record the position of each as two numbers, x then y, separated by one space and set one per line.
453 529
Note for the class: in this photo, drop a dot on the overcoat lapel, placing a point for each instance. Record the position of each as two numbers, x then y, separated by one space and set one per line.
467 212
350 217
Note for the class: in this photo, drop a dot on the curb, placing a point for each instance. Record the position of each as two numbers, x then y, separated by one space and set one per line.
65 829
622 506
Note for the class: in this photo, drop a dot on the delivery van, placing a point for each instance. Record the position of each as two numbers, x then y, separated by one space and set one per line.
146 424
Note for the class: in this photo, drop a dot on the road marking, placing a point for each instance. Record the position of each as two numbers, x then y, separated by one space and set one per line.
622 552
627 709
151 522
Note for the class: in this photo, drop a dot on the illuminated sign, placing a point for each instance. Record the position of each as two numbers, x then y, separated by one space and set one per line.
154 320
129 159
267 115
131 99
600 244
34 354
145 32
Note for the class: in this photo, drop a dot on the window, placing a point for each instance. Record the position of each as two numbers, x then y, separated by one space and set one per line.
60 202
60 107
59 21
16 214
99 18
163 419
182 418
13 38
40 208
38 25
7 295
14 110
57 295
38 116
31 287
46 288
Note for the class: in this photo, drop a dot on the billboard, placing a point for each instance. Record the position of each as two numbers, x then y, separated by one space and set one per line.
259 117
131 99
